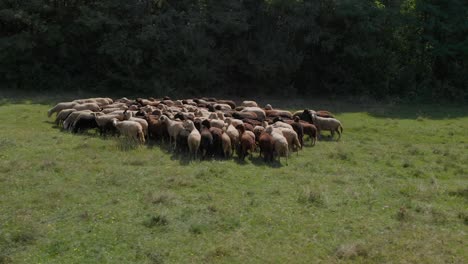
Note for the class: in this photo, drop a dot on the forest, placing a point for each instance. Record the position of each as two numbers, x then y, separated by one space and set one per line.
414 49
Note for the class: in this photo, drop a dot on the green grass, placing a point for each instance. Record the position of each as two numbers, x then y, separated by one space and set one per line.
394 189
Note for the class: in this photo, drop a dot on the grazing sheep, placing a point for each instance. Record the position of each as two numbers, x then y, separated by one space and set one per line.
279 124
62 115
227 146
130 129
87 106
194 138
244 115
61 106
249 104
217 123
292 138
261 115
310 130
246 143
157 130
280 143
144 124
298 127
266 145
232 132
331 124
68 122
231 103
84 122
222 107
206 143
105 124
173 128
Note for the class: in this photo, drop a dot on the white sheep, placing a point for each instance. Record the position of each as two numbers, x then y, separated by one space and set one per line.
258 111
130 129
292 138
279 124
61 106
173 128
87 106
280 143
193 139
232 132
331 124
249 104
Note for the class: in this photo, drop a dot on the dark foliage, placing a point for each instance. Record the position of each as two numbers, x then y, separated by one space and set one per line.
379 48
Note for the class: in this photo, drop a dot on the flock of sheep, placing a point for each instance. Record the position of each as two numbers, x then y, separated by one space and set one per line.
204 127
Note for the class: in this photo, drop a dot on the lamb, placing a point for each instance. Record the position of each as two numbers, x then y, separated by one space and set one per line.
194 138
310 130
130 129
61 106
331 124
173 128
279 142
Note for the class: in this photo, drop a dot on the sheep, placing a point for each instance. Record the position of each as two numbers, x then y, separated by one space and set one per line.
279 124
298 127
206 143
246 143
232 132
105 125
128 115
194 138
331 124
157 130
217 123
261 115
173 128
62 115
84 122
222 107
292 138
310 130
244 115
249 104
265 142
61 106
68 122
280 143
130 129
87 106
234 122
227 146
231 103
217 134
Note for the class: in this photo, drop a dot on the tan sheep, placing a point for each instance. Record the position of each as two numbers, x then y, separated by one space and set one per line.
173 128
130 129
193 139
331 124
61 106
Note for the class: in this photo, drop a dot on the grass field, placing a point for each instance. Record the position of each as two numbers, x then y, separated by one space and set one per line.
394 189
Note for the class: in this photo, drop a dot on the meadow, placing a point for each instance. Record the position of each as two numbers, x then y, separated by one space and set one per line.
393 189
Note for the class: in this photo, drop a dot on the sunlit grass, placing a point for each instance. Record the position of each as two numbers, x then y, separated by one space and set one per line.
392 190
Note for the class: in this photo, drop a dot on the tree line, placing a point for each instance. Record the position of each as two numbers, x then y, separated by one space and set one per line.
378 48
